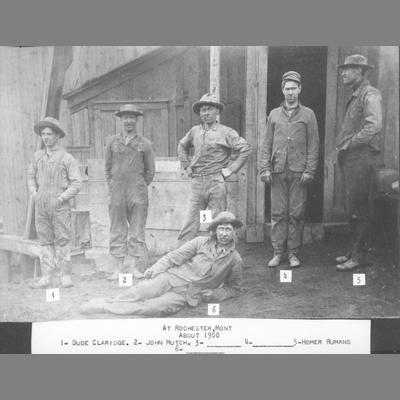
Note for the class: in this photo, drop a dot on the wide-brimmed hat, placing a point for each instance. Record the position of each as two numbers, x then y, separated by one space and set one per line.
291 76
356 60
224 217
128 109
49 122
210 100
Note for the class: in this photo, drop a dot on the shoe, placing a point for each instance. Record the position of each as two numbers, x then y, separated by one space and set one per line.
294 262
118 268
341 259
137 274
42 283
347 265
66 281
114 276
274 261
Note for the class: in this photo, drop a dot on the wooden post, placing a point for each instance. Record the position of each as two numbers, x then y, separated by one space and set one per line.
256 118
4 266
215 68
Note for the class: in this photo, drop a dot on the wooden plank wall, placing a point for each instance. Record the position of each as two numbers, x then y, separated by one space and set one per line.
23 73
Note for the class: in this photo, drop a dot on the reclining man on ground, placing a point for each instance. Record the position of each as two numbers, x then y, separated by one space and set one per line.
207 269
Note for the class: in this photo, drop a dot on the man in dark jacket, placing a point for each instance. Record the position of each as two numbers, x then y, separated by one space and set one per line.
130 168
357 146
205 269
288 162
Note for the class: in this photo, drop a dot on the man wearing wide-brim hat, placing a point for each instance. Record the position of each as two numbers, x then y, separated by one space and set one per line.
207 269
357 146
53 179
211 164
130 168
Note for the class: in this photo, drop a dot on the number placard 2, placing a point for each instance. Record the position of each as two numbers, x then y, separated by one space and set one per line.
205 216
213 309
285 275
358 279
125 280
52 294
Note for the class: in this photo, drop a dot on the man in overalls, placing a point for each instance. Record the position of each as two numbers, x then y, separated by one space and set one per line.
53 179
130 168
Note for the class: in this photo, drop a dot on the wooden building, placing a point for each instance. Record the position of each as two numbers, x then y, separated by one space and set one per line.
164 82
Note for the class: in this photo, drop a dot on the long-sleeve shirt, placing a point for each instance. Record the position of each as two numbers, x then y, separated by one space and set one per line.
290 139
362 121
199 264
128 162
213 148
54 175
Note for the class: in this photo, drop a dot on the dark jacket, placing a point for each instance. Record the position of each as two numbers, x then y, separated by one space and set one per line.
362 121
292 139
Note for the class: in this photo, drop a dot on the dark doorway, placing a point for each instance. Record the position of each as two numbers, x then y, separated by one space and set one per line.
311 63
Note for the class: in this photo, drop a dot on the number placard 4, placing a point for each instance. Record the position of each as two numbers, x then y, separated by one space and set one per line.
285 275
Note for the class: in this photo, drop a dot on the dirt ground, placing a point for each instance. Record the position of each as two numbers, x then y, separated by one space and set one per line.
317 290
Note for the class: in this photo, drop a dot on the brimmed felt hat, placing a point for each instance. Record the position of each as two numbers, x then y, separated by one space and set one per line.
210 100
49 122
128 109
355 60
224 217
291 76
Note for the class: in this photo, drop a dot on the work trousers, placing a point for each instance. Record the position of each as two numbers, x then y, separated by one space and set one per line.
288 204
53 227
151 297
128 215
358 176
206 192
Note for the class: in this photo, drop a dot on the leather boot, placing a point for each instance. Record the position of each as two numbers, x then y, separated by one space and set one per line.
118 268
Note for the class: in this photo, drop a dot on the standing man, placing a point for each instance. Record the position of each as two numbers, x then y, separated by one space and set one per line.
289 159
207 269
53 179
357 146
130 169
213 145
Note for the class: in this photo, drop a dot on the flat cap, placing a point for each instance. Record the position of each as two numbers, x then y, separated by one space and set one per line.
291 76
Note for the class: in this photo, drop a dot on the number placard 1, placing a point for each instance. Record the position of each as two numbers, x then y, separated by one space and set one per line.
358 279
52 294
213 309
205 216
285 275
125 280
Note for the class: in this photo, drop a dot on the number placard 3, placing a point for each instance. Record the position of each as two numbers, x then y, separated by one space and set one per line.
205 216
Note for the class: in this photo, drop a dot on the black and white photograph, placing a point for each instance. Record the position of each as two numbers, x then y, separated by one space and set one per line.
192 182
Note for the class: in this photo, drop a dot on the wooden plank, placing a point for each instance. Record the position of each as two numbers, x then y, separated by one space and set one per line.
215 70
4 266
17 244
331 131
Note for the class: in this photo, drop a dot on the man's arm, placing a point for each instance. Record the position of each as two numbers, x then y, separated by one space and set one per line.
74 179
183 149
149 164
32 182
372 120
266 147
232 285
108 161
176 257
312 146
239 144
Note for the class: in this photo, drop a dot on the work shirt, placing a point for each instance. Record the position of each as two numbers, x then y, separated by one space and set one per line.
54 175
212 149
199 264
290 140
129 161
362 121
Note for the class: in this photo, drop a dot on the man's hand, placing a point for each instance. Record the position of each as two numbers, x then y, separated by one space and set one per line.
187 172
149 273
226 172
206 295
306 178
266 177
59 202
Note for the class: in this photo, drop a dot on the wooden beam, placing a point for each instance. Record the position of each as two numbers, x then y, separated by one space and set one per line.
215 68
78 98
256 105
19 245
